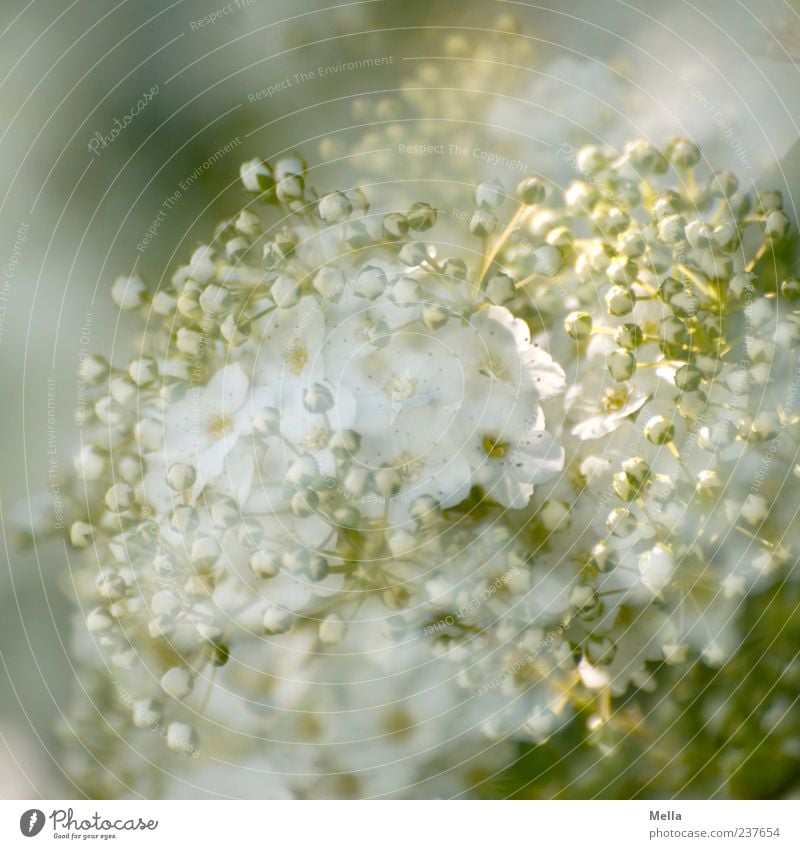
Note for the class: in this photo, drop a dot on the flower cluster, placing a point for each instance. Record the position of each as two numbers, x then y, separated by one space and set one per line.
377 495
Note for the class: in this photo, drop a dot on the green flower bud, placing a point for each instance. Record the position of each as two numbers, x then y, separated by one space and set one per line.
659 430
622 364
578 325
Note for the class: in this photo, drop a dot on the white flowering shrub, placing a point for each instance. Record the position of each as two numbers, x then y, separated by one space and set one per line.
381 497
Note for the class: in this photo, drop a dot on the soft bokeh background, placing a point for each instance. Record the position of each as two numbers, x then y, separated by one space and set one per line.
524 77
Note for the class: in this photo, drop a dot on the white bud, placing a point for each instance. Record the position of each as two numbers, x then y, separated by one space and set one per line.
119 497
256 176
332 629
402 542
214 299
181 476
149 434
755 509
318 398
334 207
405 292
93 369
205 552
263 565
142 371
177 682
370 283
656 567
285 291
111 585
276 620
620 300
387 481
99 620
147 713
547 260
90 464
555 516
182 738
163 303
355 481
659 430
128 293
330 282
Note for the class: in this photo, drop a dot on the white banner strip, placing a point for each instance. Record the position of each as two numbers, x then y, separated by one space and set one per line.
386 825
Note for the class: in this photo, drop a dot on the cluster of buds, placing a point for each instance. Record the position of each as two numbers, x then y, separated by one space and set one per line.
535 463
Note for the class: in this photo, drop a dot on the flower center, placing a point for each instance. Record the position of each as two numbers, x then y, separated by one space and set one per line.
494 447
408 467
614 399
295 358
494 367
220 426
317 440
401 387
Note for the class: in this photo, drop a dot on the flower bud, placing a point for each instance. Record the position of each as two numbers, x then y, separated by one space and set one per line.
119 497
205 552
149 434
93 370
276 620
147 713
629 336
656 567
182 738
332 630
181 476
489 195
421 217
302 473
128 293
345 444
370 283
683 153
688 378
330 283
334 207
256 176
100 621
267 422
659 430
177 682
395 226
263 565
91 463
318 398
483 223
620 300
578 325
531 191
500 289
